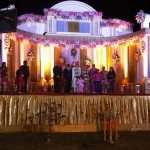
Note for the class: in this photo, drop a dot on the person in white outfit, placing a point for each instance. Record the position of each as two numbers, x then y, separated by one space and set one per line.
76 72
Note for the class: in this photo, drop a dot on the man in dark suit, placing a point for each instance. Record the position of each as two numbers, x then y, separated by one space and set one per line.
25 71
111 75
67 74
57 71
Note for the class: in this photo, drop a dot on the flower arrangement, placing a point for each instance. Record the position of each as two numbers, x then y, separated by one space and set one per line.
140 16
11 7
116 57
138 56
73 52
61 61
30 55
109 121
88 62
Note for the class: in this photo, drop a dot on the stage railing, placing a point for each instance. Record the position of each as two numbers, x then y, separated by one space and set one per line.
38 87
130 88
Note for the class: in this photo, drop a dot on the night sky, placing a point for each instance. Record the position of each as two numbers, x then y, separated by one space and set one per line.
120 9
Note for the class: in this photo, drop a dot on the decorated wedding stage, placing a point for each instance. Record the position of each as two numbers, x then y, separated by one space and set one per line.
46 40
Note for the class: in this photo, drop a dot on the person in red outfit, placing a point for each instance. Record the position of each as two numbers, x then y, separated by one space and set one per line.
19 81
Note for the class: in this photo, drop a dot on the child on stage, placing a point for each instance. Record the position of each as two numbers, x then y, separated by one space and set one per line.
80 84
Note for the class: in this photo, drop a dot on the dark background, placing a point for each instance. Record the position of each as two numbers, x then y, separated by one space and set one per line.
132 140
120 9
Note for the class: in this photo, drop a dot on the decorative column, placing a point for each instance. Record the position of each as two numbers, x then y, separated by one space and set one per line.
97 57
17 54
96 26
45 62
38 62
100 55
148 47
101 52
132 65
139 61
145 59
33 62
83 57
12 60
21 46
109 56
51 24
51 60
5 46
125 61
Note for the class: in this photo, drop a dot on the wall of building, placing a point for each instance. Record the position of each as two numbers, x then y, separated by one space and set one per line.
146 22
33 27
111 31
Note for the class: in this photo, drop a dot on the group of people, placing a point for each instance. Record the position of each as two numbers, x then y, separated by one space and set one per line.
74 79
21 79
22 76
85 80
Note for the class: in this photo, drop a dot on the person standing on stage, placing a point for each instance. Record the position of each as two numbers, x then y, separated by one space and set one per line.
4 76
80 84
86 77
67 75
111 79
25 71
104 81
92 72
19 80
57 71
98 77
76 72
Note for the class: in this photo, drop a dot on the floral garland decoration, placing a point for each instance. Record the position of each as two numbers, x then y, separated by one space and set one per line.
31 18
117 23
87 15
10 51
143 45
63 42
140 16
138 56
73 52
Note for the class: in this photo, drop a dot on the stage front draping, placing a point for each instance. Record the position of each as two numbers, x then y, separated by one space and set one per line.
79 110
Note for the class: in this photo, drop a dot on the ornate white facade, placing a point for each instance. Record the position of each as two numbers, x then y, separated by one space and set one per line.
90 19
